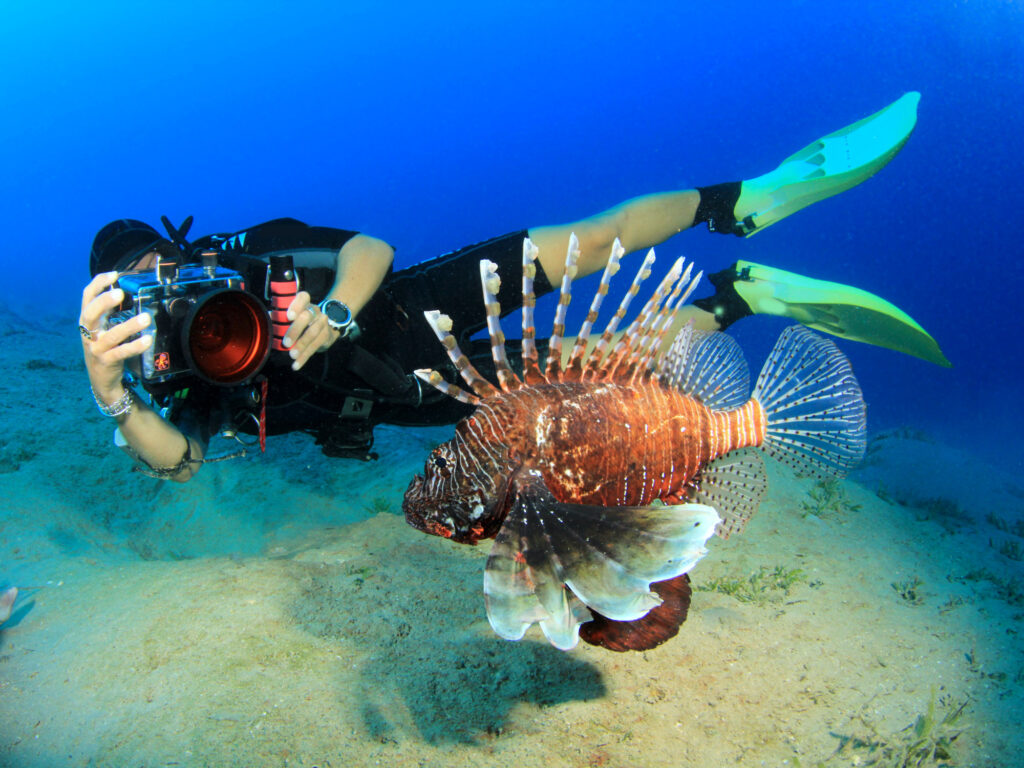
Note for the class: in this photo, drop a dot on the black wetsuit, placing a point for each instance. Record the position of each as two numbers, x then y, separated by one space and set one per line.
340 395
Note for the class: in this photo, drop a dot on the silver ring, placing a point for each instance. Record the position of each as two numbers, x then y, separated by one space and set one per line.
86 333
312 310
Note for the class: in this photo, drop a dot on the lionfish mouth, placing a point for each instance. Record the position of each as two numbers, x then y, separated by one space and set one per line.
421 516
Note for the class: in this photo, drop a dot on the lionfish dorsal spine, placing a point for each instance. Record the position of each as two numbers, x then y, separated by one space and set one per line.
593 366
442 325
666 318
531 363
490 282
436 380
639 332
574 368
621 350
553 369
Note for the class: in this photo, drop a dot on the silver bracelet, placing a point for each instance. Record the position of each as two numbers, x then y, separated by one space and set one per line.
120 407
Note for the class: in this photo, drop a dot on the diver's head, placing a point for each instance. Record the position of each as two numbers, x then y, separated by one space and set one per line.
121 244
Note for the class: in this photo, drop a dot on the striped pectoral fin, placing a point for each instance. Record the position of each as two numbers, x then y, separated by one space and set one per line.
607 558
734 484
523 585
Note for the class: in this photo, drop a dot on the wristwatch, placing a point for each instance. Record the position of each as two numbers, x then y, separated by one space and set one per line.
339 316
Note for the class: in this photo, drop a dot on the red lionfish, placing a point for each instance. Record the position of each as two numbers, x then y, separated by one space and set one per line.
602 479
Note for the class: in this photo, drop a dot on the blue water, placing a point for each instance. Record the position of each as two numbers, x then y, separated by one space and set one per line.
432 126
436 125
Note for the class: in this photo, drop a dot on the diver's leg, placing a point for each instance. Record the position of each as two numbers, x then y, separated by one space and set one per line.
825 167
638 223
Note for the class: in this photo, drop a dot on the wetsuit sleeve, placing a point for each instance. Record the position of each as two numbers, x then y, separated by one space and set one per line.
451 282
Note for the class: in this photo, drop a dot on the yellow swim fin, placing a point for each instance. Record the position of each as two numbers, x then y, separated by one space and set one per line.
826 167
842 310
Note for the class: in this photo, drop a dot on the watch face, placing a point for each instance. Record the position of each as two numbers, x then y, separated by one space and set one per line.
338 315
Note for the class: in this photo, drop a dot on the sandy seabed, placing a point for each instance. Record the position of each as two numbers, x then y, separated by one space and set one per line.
278 611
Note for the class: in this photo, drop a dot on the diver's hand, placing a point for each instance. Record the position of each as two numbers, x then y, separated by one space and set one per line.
106 350
309 332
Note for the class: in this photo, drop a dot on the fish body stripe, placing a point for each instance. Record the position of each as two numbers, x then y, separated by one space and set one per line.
605 443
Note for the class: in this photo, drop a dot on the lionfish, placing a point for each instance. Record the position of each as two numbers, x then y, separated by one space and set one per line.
601 479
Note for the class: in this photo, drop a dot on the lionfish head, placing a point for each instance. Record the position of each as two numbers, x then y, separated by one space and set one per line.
451 501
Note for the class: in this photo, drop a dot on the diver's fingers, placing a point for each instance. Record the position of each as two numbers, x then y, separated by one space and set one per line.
313 340
130 349
115 337
302 315
96 310
96 286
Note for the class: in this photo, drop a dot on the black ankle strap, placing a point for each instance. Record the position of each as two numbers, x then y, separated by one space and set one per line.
717 207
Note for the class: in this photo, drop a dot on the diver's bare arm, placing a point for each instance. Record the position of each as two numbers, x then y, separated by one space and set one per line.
641 222
159 444
105 352
363 263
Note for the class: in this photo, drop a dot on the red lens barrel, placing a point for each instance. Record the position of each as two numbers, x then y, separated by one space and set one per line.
226 337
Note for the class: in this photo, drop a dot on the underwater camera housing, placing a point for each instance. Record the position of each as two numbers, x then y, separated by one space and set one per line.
203 321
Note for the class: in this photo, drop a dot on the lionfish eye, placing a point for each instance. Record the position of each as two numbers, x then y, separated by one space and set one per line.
441 462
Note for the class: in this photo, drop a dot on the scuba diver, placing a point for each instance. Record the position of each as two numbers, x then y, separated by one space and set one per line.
354 331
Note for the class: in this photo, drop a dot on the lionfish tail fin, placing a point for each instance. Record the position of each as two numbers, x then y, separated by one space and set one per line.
814 408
